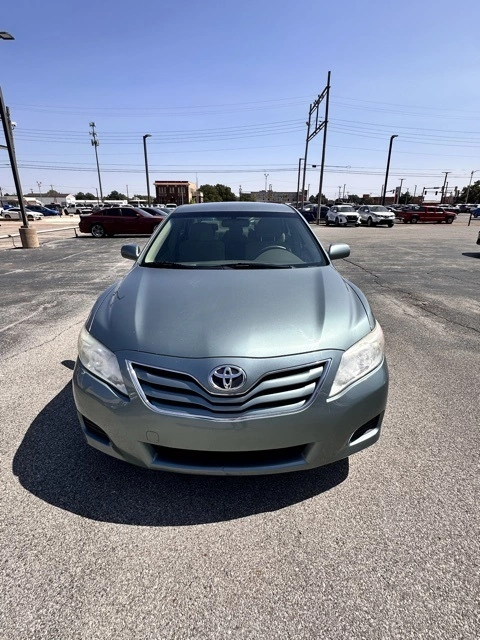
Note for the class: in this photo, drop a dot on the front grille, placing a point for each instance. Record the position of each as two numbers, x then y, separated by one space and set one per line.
277 392
229 459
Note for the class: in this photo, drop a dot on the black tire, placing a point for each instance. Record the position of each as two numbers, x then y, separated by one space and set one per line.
390 225
7 216
449 220
405 221
337 222
414 220
327 222
97 231
370 222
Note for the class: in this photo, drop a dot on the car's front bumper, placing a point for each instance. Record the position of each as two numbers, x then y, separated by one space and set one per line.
325 431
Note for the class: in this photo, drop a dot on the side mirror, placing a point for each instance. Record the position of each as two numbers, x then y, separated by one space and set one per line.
130 251
338 250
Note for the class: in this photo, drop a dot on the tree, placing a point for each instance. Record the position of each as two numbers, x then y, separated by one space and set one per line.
52 193
80 196
225 193
405 197
210 193
473 196
90 196
246 197
115 195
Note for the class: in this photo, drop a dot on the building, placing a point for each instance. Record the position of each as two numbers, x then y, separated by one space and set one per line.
177 192
277 196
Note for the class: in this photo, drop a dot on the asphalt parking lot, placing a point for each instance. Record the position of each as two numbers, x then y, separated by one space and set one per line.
384 545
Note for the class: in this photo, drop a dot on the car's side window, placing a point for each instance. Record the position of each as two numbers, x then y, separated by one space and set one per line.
128 213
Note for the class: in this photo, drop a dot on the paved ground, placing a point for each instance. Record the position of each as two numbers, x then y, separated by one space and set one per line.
385 545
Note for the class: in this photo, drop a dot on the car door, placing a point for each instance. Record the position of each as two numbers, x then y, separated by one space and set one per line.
131 221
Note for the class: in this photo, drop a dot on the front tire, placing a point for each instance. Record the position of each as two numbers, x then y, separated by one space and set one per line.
370 222
449 220
327 222
7 217
414 220
98 231
390 225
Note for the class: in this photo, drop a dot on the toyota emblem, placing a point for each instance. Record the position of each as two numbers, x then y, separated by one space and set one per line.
227 378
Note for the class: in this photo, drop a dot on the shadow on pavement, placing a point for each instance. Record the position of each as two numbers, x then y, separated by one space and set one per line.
55 464
472 255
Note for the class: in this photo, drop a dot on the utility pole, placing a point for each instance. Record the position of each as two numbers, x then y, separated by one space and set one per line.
308 123
298 182
95 143
148 135
39 185
444 185
470 184
343 196
388 168
339 191
127 192
397 200
324 125
266 177
414 192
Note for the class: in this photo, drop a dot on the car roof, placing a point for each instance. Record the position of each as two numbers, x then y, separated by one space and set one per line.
232 207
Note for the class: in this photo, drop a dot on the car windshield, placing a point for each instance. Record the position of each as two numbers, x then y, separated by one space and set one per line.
234 240
345 208
379 209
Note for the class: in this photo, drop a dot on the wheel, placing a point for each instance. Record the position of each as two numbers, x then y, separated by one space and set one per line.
97 231
414 220
29 217
405 221
327 222
370 222
449 220
337 222
7 216
390 224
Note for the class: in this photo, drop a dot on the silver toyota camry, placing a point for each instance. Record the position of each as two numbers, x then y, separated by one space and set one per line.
232 346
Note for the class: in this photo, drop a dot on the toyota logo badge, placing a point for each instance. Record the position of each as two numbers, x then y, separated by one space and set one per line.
227 378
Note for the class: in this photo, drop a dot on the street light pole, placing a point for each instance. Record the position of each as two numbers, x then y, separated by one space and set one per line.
397 201
266 178
470 184
147 135
388 168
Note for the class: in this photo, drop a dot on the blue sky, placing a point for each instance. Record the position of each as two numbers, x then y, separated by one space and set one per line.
224 90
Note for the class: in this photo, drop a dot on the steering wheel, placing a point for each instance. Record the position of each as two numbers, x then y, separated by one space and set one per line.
272 246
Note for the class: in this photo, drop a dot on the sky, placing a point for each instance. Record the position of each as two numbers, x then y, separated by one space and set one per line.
224 89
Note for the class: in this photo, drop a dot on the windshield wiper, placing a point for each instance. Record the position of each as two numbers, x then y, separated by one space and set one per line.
168 265
254 265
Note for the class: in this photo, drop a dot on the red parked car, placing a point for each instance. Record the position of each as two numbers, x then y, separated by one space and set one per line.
118 220
426 214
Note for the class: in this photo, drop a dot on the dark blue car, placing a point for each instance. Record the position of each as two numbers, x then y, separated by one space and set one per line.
44 210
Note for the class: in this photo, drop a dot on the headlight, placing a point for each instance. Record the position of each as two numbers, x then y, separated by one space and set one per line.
99 360
356 362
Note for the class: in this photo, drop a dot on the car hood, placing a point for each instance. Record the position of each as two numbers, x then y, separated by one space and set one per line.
206 313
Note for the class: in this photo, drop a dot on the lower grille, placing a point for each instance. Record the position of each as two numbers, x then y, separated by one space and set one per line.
94 430
277 392
361 431
222 459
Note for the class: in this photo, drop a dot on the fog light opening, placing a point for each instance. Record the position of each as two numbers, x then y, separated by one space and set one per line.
371 425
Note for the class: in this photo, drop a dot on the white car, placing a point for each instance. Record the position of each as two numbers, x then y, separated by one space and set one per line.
14 213
342 215
373 214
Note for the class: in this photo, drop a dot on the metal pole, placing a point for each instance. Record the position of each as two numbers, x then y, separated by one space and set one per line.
324 147
388 168
13 161
302 195
147 135
397 200
266 177
343 195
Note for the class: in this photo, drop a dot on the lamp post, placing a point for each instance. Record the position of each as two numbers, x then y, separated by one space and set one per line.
147 135
266 178
470 184
388 168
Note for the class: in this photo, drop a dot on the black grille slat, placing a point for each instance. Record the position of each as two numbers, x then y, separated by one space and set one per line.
288 389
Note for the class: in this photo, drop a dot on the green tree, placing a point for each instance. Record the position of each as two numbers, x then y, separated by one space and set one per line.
473 196
52 193
225 193
90 196
115 195
246 197
80 196
210 193
405 198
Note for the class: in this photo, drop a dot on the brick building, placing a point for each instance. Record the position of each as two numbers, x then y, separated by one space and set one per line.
179 192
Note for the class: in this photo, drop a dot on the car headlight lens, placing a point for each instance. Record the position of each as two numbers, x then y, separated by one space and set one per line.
99 360
360 359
